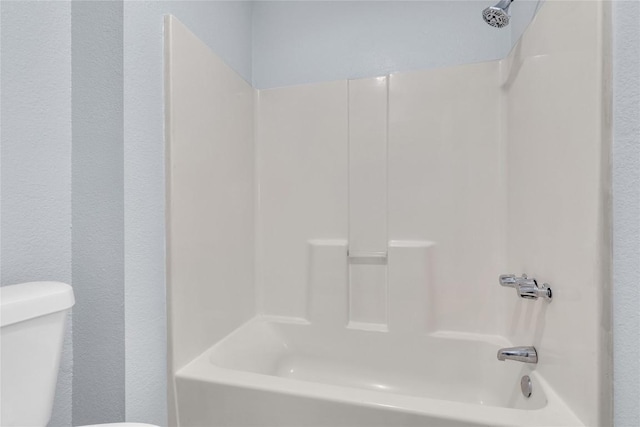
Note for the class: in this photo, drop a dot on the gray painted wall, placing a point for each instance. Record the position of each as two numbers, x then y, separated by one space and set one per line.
35 182
98 212
37 240
304 42
311 41
626 212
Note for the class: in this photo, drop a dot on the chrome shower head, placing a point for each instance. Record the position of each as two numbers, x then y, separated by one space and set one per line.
498 15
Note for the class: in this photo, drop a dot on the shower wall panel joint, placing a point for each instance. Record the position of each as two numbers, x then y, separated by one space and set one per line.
367 111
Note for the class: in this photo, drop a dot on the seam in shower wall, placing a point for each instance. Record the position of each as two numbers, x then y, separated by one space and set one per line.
349 288
257 171
384 315
513 40
257 208
503 108
605 376
258 285
258 289
172 396
386 196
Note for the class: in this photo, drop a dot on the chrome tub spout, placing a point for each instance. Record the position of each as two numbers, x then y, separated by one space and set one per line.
519 354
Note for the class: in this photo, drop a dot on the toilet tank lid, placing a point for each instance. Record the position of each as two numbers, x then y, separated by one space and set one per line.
34 299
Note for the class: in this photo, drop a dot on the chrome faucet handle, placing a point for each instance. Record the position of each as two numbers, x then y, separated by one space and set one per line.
526 287
531 290
509 280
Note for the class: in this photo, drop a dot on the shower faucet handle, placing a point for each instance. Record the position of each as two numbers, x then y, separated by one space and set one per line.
526 287
508 280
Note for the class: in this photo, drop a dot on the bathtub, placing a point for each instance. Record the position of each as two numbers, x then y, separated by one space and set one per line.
287 372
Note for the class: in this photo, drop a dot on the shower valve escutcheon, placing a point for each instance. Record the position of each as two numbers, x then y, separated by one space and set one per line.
526 287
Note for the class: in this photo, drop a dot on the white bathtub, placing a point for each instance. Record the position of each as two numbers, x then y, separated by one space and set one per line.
283 372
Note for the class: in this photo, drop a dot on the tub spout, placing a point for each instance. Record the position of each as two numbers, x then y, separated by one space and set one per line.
520 354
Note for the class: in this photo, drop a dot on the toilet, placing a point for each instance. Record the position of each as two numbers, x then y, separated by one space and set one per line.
32 325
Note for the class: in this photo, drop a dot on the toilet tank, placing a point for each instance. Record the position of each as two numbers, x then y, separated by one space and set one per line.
32 320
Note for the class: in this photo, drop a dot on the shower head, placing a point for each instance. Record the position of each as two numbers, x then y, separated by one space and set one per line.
498 15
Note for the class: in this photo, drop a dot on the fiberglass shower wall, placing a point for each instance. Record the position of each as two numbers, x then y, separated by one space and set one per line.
392 204
404 179
556 85
210 199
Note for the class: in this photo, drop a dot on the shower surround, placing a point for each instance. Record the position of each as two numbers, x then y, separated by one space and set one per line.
334 248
